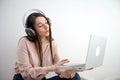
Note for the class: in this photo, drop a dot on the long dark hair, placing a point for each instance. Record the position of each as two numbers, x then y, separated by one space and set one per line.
30 24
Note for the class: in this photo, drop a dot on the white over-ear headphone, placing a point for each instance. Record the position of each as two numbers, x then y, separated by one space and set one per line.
30 12
31 34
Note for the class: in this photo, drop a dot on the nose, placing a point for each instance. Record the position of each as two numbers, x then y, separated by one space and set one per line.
46 26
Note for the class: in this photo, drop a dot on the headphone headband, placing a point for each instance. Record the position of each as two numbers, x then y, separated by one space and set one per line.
30 12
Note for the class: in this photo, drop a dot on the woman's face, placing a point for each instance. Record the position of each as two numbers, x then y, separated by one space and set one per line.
41 27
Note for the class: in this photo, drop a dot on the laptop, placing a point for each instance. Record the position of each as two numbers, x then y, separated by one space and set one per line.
95 54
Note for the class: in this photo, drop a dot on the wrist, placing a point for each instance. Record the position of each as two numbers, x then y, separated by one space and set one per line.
50 68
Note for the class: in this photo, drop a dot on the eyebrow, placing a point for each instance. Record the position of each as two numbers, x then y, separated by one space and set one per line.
39 23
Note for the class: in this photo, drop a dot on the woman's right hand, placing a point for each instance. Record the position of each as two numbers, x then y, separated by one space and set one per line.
53 67
62 62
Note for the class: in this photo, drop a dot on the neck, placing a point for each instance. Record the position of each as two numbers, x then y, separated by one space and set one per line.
44 40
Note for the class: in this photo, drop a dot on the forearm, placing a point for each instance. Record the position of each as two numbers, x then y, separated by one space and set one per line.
50 68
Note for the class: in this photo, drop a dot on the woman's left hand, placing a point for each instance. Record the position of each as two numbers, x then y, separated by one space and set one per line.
68 73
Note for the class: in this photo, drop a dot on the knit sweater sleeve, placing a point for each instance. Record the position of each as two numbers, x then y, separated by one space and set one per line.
23 65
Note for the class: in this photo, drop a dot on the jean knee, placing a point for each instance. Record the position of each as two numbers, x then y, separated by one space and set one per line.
17 77
76 77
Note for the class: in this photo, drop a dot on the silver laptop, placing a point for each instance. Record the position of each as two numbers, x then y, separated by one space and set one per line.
95 54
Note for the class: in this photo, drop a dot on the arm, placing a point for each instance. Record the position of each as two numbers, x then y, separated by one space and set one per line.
24 65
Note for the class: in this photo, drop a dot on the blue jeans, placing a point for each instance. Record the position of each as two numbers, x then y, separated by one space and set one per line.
76 77
17 77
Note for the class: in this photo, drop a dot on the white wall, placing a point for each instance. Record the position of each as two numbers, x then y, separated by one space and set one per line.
72 22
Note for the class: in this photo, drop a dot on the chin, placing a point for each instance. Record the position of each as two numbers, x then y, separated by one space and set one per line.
47 35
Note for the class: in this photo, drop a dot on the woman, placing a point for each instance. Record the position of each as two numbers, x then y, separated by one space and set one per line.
37 52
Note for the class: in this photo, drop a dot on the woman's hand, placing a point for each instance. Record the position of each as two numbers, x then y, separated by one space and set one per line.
62 62
53 67
68 73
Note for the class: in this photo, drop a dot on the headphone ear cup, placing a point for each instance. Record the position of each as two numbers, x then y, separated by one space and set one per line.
30 33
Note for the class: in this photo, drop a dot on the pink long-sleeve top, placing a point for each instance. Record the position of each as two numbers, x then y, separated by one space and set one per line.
28 64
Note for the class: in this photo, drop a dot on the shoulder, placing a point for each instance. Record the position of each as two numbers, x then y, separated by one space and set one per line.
23 40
